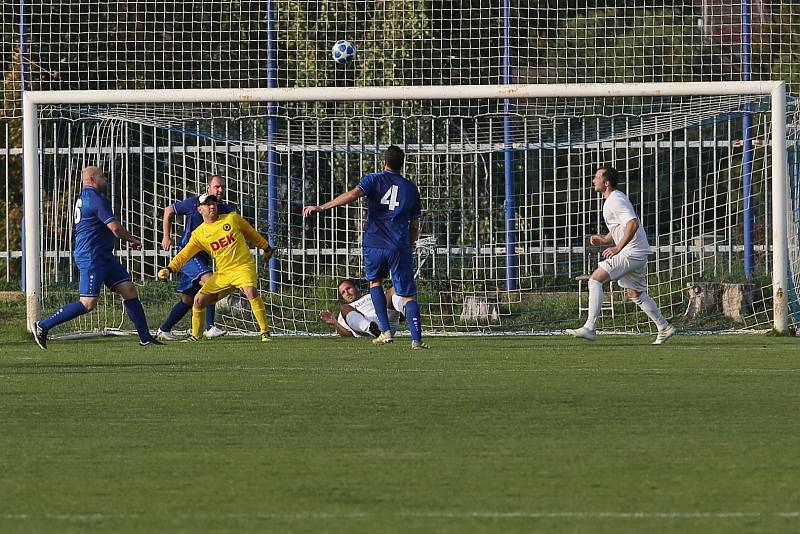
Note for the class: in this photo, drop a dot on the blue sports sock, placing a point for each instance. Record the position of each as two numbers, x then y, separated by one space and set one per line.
176 314
134 309
379 303
210 312
414 320
67 312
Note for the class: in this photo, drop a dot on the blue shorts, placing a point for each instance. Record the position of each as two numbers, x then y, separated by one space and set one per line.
379 262
110 272
191 273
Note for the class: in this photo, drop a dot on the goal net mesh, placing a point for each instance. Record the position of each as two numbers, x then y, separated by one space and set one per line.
490 258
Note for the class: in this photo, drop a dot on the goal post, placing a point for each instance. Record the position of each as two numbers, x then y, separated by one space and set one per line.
777 249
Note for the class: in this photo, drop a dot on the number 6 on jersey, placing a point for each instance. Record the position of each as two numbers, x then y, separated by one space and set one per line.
390 198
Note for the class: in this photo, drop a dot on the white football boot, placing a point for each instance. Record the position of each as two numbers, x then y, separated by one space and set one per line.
213 332
582 332
664 335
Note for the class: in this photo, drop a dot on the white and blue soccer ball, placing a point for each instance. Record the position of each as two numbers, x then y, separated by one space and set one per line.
343 51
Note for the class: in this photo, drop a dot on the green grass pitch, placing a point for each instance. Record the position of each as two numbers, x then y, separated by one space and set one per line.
497 434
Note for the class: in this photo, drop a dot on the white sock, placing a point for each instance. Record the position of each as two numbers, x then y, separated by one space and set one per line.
357 322
650 308
595 303
399 303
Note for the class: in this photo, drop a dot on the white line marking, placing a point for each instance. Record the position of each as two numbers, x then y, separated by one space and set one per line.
420 515
604 370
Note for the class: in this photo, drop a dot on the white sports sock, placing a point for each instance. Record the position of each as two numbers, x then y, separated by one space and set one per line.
595 303
650 308
399 303
357 322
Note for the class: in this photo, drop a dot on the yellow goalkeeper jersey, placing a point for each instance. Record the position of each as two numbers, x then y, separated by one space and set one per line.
225 240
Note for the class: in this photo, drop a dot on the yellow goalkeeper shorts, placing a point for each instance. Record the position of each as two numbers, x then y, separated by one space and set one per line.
223 283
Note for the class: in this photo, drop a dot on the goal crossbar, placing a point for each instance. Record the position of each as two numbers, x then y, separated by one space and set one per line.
776 90
427 92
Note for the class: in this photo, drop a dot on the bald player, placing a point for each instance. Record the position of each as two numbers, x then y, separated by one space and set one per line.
96 231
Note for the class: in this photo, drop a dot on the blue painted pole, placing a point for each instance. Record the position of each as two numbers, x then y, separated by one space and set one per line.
272 156
747 134
24 54
508 154
794 195
23 68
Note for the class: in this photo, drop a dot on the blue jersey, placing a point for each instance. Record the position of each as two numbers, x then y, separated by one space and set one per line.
393 201
193 219
94 242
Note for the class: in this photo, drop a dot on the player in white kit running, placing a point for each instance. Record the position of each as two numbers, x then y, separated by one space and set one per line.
625 261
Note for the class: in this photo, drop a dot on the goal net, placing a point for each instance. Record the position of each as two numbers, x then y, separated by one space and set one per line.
506 196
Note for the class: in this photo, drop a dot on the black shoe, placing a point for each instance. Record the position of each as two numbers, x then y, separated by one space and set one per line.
40 335
374 329
152 341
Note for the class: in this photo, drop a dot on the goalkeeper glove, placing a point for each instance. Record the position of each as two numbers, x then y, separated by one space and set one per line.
163 274
267 254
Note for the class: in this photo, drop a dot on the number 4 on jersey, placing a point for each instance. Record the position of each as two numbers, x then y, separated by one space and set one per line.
390 198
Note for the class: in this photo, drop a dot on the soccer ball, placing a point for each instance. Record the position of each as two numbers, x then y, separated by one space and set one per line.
343 51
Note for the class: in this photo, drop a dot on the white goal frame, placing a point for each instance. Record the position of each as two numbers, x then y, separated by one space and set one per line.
776 90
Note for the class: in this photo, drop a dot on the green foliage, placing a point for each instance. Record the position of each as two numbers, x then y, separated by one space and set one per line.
12 317
653 45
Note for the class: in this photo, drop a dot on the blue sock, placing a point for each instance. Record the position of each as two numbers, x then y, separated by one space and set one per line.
67 312
133 307
176 314
379 303
210 312
414 320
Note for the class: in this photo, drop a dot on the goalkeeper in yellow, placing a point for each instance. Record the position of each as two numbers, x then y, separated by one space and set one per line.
224 238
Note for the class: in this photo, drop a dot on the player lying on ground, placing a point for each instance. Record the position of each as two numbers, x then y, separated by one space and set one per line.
96 231
625 261
197 270
393 213
357 317
224 238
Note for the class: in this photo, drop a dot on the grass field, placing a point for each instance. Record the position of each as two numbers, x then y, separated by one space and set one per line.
497 434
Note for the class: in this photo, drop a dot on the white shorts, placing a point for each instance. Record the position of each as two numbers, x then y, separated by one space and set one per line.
394 322
630 273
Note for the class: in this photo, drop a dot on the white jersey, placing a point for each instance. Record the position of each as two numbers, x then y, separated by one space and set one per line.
617 211
367 309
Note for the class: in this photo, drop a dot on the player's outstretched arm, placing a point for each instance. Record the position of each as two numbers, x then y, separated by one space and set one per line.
252 235
327 318
191 248
343 199
122 234
166 228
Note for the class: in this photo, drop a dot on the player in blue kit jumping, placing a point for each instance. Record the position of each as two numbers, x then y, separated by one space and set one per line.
197 270
393 213
96 230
